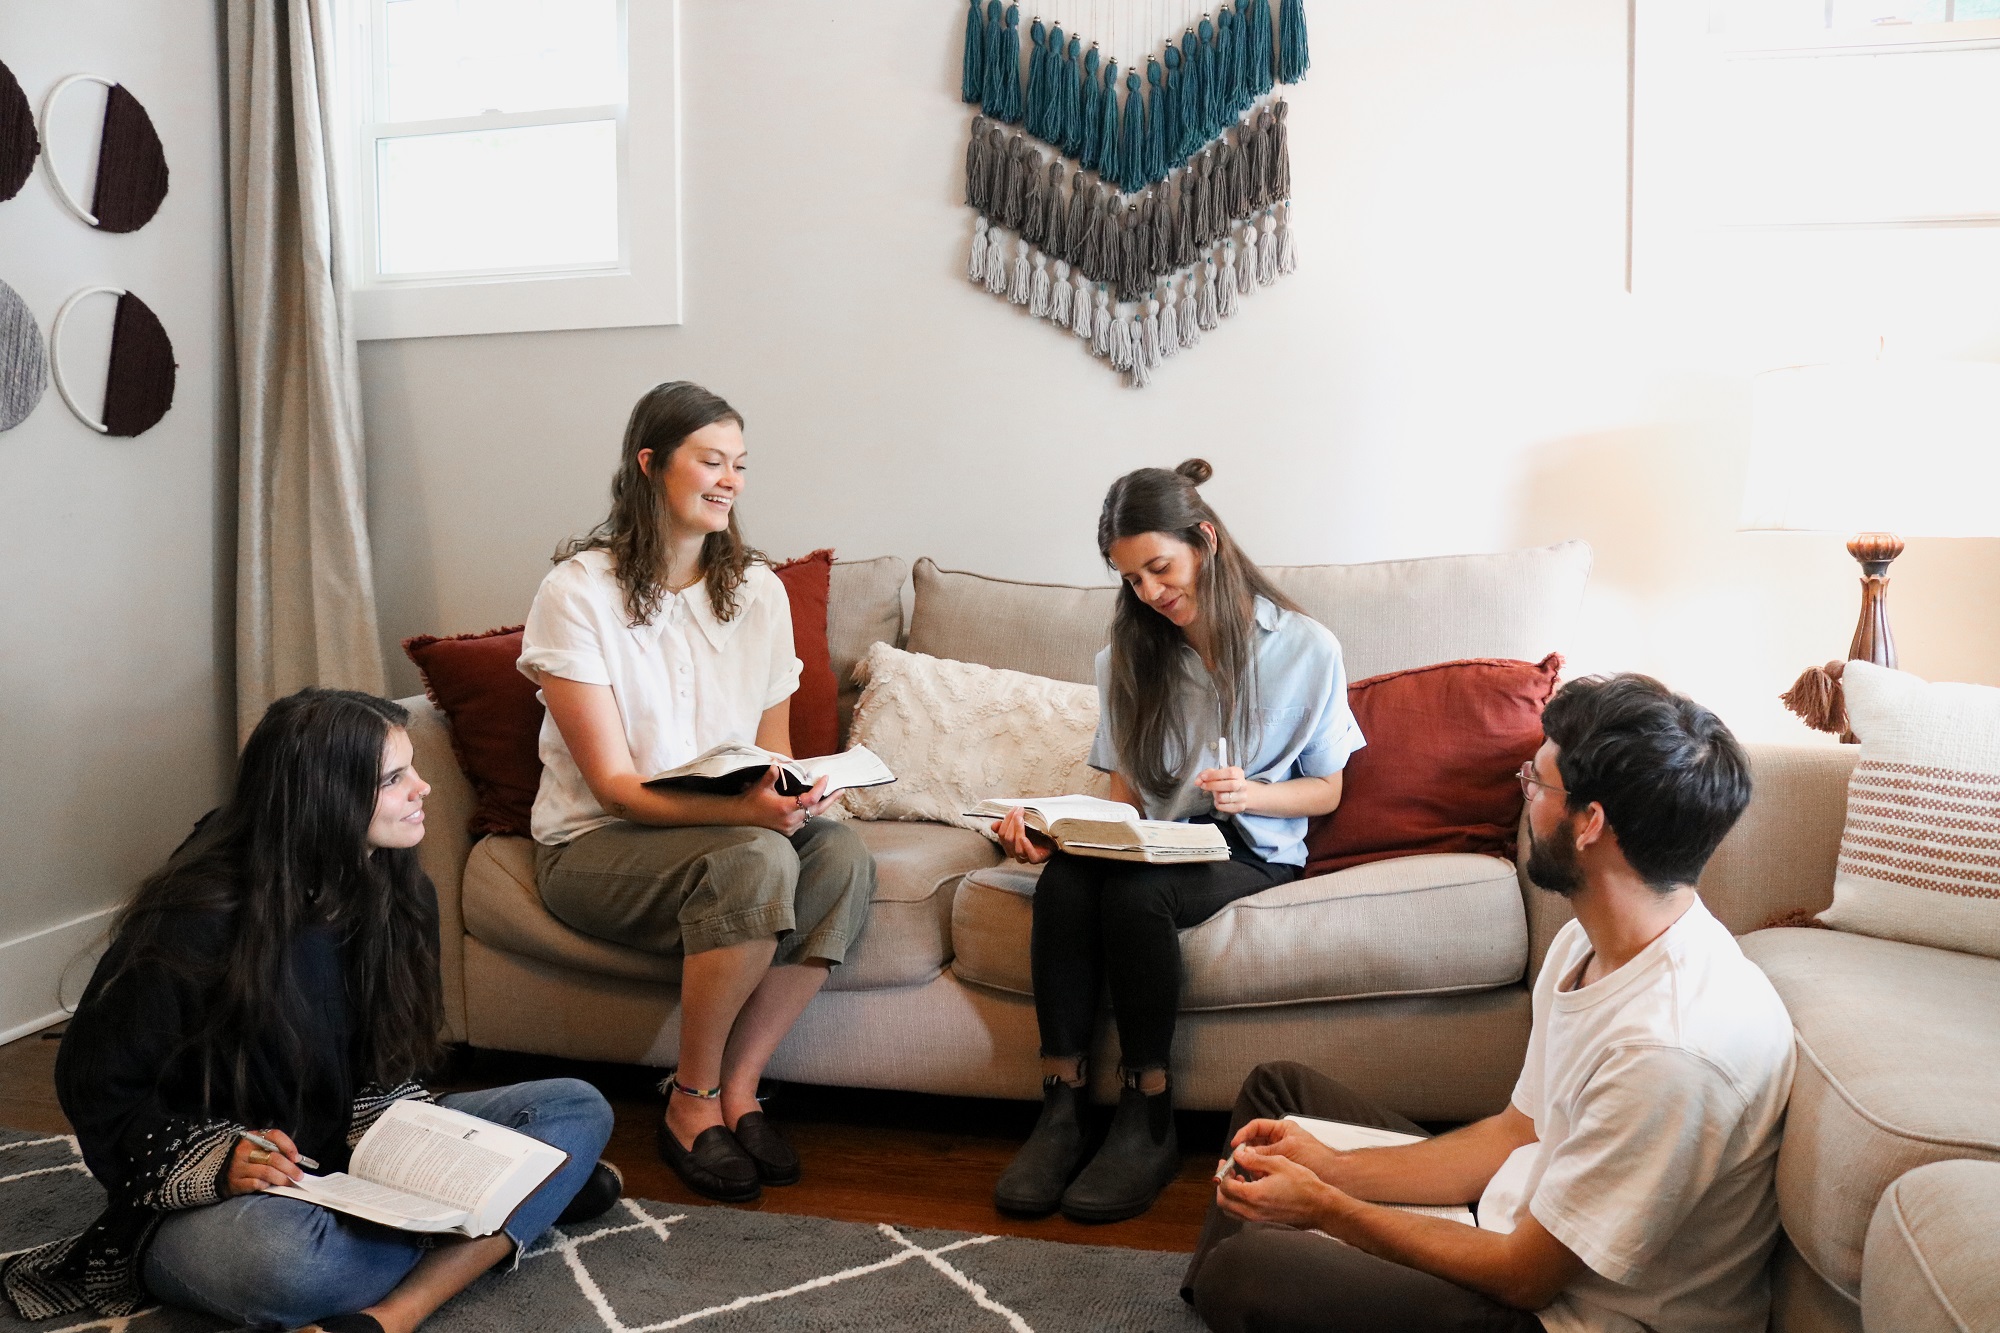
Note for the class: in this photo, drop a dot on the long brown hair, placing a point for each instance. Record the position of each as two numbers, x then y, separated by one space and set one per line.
1147 649
635 532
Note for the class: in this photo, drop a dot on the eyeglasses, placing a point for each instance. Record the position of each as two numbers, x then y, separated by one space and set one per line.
1529 782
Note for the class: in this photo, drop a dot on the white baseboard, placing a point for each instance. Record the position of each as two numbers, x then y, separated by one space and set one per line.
43 973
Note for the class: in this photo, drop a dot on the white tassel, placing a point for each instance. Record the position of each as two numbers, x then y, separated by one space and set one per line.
1122 347
1142 374
1208 316
1080 322
1288 245
1246 262
1059 291
1149 336
1018 291
1100 338
976 268
1225 288
1170 323
1038 288
1267 252
996 262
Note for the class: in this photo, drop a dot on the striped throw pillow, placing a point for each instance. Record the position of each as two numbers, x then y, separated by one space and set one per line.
1920 855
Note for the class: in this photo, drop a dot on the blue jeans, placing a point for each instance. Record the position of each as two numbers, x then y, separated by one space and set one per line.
268 1260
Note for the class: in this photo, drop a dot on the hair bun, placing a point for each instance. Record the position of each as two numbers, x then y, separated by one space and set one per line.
1196 470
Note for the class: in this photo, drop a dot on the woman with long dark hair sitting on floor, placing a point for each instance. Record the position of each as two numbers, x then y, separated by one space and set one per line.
278 978
1219 700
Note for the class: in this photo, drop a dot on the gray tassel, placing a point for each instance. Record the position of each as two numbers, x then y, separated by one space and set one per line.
1077 233
1267 251
1100 336
1259 140
1170 322
996 262
1055 219
1059 291
1007 206
1209 313
997 159
977 182
1150 350
1239 179
1122 346
1090 246
1186 252
1281 152
1133 279
1288 245
975 268
1018 290
1160 257
1246 262
1080 322
1204 188
1226 296
1034 218
1038 286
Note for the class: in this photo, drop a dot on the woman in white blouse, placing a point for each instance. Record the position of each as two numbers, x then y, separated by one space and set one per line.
658 635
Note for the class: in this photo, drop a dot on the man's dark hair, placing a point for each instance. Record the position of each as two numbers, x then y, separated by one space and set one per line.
1670 776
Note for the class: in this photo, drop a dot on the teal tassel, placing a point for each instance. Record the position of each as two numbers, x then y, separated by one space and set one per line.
1246 35
1260 47
1010 65
1171 155
1211 82
1072 96
1110 160
1156 123
1092 151
990 97
1188 99
972 84
1132 142
1293 57
1038 78
1225 56
1054 108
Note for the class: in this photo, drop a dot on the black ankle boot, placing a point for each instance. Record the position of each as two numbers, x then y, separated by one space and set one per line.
1140 1155
1033 1182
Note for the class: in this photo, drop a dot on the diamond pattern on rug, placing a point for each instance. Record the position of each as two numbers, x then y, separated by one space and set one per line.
647 1267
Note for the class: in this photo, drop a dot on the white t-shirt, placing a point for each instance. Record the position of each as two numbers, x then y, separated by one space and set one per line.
1657 1093
684 683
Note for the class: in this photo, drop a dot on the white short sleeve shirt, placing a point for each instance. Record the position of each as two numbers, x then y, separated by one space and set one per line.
1658 1094
684 683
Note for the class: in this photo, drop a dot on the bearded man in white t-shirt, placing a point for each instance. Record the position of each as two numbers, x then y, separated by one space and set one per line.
1629 1184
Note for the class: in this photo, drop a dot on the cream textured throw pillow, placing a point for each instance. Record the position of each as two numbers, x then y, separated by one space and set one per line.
1920 856
956 733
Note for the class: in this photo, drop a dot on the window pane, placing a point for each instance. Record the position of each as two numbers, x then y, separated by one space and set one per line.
1886 13
1977 9
465 57
498 199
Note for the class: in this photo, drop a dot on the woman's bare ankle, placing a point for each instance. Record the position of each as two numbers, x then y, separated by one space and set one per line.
689 1116
1067 1068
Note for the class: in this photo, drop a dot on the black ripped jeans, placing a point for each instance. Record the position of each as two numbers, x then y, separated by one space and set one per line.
1098 920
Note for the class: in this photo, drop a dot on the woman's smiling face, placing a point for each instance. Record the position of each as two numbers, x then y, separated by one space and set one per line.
1162 571
703 477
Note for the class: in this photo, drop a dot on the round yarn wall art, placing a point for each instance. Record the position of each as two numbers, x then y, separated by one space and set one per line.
131 164
20 145
139 382
24 362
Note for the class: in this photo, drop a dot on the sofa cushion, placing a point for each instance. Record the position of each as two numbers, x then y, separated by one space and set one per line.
906 943
1931 1245
1920 856
1438 772
495 720
1388 616
1899 1066
957 733
864 606
1366 932
815 719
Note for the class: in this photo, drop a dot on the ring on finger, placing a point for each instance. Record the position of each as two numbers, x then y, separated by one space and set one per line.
257 1157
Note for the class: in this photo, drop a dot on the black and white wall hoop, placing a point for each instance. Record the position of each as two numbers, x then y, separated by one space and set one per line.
24 361
20 145
131 163
139 379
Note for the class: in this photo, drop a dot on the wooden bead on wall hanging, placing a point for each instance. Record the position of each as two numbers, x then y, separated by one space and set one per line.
19 144
139 381
24 363
131 164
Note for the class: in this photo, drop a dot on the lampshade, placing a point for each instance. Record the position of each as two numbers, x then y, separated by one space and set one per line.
1911 448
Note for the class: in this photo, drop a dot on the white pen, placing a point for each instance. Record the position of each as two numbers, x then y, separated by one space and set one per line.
1222 751
259 1141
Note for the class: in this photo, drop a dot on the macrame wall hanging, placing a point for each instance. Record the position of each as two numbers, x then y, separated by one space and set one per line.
138 382
131 164
1133 211
24 362
19 144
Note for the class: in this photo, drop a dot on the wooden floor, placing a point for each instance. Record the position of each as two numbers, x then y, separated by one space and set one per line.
869 1156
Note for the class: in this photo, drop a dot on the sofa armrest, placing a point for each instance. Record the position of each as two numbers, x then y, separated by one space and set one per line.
1779 858
1928 1266
447 843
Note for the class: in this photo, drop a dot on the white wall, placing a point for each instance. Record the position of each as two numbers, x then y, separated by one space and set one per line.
1456 366
113 553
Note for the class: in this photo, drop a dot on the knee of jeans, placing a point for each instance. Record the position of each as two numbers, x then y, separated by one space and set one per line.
276 1283
771 851
583 1101
1233 1280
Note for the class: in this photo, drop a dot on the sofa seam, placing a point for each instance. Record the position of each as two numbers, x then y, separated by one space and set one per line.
1877 1121
1479 989
1923 1266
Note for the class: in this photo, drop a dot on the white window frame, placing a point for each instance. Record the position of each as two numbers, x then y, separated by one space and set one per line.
641 288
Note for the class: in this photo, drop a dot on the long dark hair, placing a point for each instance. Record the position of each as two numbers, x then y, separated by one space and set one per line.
1147 649
635 532
290 852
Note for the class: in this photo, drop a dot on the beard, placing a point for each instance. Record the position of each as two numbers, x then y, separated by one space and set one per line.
1553 865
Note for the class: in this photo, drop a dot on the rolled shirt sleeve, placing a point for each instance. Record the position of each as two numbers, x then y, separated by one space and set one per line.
561 637
1337 735
785 668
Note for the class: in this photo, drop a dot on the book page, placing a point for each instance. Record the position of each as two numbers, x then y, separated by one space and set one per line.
1343 1137
1089 809
377 1203
720 761
858 767
1169 833
443 1155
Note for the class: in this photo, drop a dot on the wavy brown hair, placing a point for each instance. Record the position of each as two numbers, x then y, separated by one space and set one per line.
635 532
1147 661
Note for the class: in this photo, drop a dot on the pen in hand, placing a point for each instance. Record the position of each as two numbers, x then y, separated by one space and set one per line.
259 1141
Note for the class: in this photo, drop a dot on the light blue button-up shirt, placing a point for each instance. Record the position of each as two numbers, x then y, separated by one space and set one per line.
1303 729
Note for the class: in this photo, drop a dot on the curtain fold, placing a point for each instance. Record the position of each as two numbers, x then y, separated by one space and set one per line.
305 592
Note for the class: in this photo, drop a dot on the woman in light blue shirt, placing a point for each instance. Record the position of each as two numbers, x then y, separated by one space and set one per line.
1219 701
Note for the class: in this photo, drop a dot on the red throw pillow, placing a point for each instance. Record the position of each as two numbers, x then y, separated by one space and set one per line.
815 721
496 720
1438 772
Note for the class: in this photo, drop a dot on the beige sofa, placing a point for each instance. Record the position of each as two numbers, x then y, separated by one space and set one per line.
1406 978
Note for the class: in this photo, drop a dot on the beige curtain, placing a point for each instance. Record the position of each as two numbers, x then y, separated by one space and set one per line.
305 593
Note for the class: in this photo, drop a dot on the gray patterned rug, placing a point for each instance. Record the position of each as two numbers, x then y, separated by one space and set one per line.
646 1267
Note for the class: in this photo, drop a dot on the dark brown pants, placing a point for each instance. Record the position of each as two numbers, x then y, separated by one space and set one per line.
1252 1277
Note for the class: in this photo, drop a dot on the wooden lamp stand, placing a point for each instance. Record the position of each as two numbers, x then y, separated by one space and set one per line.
1872 640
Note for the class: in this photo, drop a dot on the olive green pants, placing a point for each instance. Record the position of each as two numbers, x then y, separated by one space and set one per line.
688 890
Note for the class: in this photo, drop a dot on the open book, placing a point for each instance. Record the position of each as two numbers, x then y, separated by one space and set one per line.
1087 826
429 1168
730 770
1343 1137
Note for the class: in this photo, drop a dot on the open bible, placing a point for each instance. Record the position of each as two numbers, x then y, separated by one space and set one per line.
429 1168
1343 1137
1112 830
730 770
